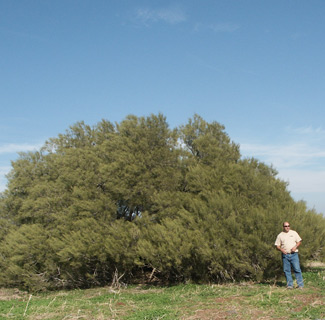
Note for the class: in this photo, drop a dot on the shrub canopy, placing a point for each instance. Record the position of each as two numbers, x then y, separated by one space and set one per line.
147 202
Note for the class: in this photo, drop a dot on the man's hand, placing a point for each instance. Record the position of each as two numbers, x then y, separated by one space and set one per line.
280 249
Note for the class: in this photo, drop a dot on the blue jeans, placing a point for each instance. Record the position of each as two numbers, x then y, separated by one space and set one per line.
292 259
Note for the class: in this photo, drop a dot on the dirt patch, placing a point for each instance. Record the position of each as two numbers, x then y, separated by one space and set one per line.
224 308
309 300
43 316
239 313
233 307
10 294
213 314
316 264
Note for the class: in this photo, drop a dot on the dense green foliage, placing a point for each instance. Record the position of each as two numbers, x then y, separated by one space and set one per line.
141 200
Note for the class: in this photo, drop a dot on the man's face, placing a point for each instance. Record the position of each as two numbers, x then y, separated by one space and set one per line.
286 227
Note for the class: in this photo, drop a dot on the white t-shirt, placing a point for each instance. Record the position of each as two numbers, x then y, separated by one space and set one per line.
288 240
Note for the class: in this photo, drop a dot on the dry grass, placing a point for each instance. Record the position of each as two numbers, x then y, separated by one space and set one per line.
183 302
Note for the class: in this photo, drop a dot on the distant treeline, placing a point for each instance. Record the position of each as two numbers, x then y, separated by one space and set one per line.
144 202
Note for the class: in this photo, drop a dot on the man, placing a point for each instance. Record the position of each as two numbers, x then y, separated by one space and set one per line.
288 242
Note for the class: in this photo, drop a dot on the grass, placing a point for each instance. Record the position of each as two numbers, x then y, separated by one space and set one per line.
184 302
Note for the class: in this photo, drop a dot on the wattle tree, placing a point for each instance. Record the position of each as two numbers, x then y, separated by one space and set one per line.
146 202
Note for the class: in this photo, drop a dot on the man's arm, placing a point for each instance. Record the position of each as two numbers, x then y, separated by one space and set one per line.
296 246
280 249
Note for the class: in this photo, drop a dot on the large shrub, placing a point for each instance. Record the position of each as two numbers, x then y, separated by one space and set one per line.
146 202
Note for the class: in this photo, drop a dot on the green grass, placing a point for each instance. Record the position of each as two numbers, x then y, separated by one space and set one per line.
229 301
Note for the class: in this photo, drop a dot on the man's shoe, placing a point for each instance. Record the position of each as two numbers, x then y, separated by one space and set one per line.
300 288
290 288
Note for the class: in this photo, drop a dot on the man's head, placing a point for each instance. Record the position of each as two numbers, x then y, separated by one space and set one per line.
286 226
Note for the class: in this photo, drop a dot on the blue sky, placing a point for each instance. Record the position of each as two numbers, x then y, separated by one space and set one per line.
257 67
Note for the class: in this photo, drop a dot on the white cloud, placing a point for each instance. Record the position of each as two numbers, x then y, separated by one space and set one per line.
285 156
4 170
302 147
299 160
14 148
311 135
308 130
170 15
9 152
217 27
304 181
